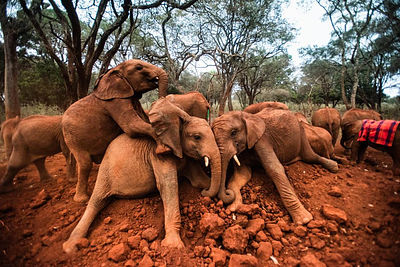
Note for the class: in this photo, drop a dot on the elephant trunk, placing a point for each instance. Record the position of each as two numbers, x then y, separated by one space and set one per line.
215 158
226 195
343 143
162 82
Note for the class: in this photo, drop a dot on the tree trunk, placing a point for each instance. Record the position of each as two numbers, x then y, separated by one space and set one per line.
355 83
342 79
11 103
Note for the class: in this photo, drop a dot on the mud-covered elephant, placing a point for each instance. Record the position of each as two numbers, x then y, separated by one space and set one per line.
7 130
319 138
194 103
131 168
92 122
371 136
31 140
329 119
272 138
349 117
257 107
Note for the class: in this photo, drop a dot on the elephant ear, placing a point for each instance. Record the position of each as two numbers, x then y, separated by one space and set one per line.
112 85
167 120
255 128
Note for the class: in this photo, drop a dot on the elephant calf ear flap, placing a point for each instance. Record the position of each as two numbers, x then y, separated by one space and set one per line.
167 128
255 128
113 85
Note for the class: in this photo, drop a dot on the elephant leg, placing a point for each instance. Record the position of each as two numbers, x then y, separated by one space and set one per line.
70 162
18 160
274 169
84 166
96 203
309 156
195 174
396 161
165 172
240 178
40 166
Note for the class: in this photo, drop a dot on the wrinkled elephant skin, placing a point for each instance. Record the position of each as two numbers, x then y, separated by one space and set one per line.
329 119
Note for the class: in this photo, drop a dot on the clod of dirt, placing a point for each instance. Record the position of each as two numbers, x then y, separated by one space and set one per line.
264 251
212 225
146 261
235 239
316 224
134 241
276 247
254 226
309 260
218 256
334 259
333 213
335 191
316 242
118 252
274 230
150 234
41 198
300 231
261 236
242 260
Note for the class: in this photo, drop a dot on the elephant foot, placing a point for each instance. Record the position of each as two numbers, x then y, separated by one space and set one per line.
234 206
301 216
331 166
70 246
172 241
81 198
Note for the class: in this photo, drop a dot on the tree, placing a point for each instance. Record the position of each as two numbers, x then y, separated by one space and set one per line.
13 27
231 29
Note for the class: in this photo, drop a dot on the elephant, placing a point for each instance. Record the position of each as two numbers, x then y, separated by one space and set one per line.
194 103
33 139
91 123
132 168
319 138
7 130
329 119
272 138
254 108
359 147
347 123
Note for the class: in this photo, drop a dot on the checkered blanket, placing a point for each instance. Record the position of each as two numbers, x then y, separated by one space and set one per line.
378 132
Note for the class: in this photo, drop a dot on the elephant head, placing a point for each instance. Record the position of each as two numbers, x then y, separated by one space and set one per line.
131 78
235 132
187 135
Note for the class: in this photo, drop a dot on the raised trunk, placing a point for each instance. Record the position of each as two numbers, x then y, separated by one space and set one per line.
226 195
162 82
215 175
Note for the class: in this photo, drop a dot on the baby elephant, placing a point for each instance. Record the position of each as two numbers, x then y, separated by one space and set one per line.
131 168
32 139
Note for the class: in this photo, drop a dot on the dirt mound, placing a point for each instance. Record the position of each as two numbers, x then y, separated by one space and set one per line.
356 222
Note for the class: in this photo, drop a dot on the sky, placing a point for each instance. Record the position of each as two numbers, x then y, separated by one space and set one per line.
313 30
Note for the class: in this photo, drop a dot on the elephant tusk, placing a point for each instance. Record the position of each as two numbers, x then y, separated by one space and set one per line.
206 161
236 160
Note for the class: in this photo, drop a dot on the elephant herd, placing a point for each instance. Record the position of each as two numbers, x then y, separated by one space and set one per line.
140 152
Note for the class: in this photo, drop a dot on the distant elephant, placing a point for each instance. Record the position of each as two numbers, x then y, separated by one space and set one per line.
329 119
359 146
34 138
92 122
131 168
194 103
7 130
319 139
272 138
257 107
347 123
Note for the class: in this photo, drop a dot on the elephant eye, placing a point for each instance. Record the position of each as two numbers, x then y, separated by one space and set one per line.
197 137
234 132
139 67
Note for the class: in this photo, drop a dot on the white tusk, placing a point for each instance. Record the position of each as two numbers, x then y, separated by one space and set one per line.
236 160
206 161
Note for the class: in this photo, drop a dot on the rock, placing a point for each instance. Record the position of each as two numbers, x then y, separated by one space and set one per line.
261 236
107 220
130 263
333 213
207 201
218 256
199 251
124 227
293 240
264 251
276 247
316 224
274 230
150 234
254 226
212 225
335 191
332 227
309 260
248 209
144 245
316 242
242 220
82 243
291 262
238 260
235 239
300 231
41 198
284 226
118 252
333 259
134 241
146 261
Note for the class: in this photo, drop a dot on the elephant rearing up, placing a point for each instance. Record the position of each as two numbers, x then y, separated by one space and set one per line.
91 123
131 168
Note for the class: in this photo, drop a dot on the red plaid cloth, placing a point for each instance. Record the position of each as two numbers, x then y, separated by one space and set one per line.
378 132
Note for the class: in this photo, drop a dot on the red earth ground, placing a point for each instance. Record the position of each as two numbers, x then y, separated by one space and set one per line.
363 230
